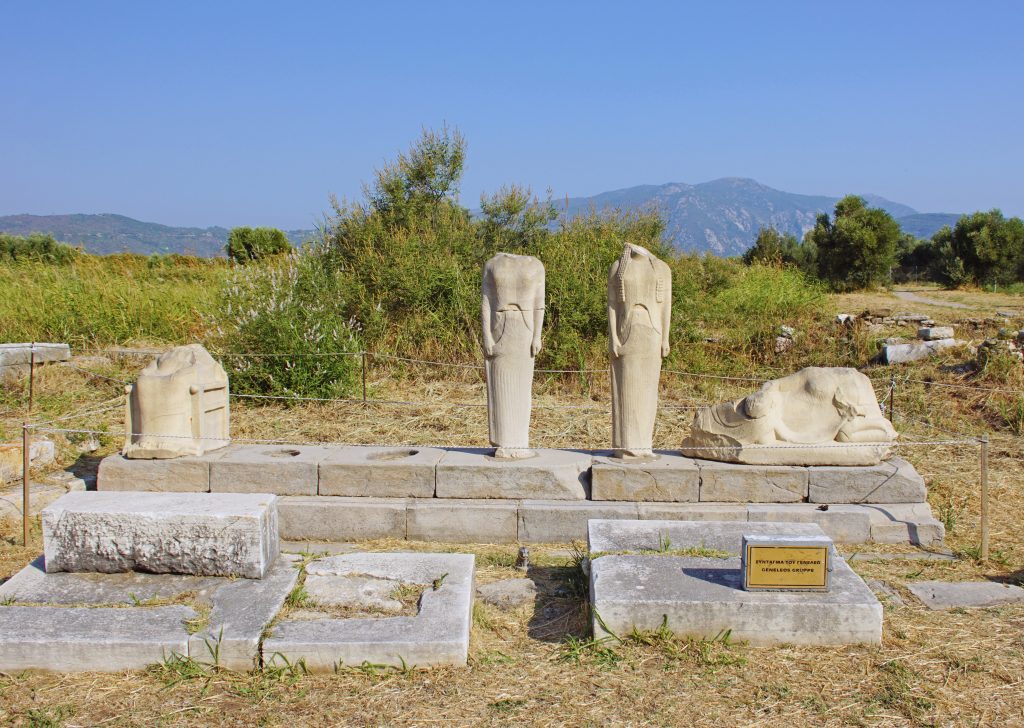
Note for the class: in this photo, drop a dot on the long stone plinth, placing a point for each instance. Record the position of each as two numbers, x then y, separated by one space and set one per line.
637 583
884 503
467 473
70 622
526 521
437 635
180 533
549 474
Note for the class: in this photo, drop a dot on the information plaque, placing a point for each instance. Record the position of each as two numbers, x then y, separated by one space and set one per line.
778 563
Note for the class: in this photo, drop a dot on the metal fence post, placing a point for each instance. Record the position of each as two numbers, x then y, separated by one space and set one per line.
984 497
364 375
892 399
31 375
26 446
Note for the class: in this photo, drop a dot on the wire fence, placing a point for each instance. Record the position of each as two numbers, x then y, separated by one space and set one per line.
887 393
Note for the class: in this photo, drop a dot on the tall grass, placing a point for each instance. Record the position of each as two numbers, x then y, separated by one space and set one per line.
100 301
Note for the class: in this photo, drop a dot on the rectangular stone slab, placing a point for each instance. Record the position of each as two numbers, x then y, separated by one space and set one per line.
102 639
211 534
437 635
463 521
905 523
334 518
669 478
734 483
17 354
177 475
609 536
278 469
891 481
242 609
950 594
549 475
692 512
703 598
561 522
842 523
380 472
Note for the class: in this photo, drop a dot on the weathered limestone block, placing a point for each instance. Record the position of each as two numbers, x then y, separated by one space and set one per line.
692 512
178 406
437 635
17 358
703 598
894 481
79 639
242 609
549 474
463 521
331 518
734 483
565 522
639 313
381 472
842 523
278 469
188 474
902 353
817 416
950 594
905 523
512 315
935 333
41 452
614 536
669 478
179 533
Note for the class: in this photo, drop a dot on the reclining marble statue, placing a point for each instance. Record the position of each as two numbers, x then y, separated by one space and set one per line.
639 314
178 406
832 408
512 314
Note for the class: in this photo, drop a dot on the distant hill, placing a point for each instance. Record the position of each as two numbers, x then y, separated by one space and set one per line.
107 233
723 216
720 217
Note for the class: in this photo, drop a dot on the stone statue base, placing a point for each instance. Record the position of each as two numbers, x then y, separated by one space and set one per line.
513 453
854 454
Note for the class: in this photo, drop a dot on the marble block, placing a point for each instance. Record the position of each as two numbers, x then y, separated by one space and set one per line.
550 475
892 481
668 478
381 472
213 534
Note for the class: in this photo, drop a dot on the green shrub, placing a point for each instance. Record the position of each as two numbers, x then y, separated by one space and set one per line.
38 247
275 323
246 244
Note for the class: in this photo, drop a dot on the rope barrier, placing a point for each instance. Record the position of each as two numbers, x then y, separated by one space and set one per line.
421 403
962 386
77 368
279 441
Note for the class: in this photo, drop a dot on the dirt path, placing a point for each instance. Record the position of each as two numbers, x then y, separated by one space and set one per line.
910 296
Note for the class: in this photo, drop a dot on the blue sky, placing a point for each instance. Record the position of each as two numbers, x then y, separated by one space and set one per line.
232 113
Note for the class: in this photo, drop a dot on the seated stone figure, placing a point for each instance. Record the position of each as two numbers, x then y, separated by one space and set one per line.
815 406
178 406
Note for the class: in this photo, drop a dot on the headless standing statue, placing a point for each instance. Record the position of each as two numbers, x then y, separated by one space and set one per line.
639 312
512 313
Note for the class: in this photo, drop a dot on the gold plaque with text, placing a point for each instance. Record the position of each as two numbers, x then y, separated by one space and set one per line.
787 567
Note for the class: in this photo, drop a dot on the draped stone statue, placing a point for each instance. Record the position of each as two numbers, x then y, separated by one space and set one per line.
178 406
512 313
639 314
832 407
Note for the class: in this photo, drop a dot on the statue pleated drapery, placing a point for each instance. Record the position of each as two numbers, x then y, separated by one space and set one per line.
639 316
512 313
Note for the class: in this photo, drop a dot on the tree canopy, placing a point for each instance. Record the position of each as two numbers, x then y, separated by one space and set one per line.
856 248
246 243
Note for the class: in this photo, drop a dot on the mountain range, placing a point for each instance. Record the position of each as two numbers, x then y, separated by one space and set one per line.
721 217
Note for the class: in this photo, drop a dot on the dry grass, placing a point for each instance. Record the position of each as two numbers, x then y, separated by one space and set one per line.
535 665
